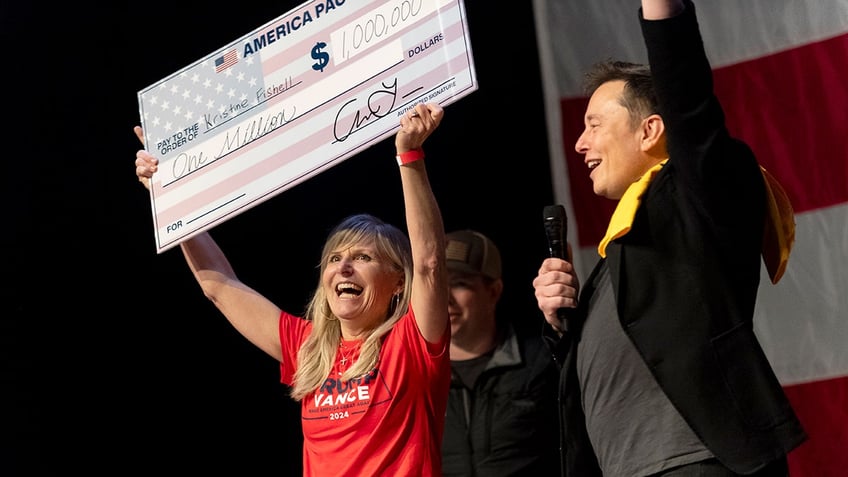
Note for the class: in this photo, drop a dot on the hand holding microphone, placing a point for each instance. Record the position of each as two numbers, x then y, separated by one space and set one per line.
556 227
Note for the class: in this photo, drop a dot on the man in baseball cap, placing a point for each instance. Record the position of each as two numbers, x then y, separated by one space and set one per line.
502 415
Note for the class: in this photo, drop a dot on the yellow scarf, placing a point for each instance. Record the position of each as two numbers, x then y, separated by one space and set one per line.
622 216
778 233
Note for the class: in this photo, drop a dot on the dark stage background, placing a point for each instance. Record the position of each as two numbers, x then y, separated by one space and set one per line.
113 362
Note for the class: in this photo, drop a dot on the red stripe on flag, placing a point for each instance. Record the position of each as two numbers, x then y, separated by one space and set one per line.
792 108
822 407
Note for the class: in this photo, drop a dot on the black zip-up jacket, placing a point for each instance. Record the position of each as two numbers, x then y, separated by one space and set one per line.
507 425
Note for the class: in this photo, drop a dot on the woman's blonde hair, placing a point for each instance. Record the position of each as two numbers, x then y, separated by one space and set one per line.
315 357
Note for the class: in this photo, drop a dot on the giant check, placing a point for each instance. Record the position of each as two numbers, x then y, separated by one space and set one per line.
293 98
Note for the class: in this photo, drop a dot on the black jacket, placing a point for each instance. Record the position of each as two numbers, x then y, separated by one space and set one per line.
510 428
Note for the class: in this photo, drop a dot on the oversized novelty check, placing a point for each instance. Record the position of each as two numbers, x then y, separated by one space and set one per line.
293 98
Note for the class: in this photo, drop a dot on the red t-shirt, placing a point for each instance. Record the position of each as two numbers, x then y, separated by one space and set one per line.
388 422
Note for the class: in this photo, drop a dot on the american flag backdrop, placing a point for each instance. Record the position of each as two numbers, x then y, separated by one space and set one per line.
779 68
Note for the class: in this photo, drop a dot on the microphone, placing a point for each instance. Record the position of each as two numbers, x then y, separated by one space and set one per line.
556 229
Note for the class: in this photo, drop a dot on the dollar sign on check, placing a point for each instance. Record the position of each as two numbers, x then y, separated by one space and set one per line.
322 57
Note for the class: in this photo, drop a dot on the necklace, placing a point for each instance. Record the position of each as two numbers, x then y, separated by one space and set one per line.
348 352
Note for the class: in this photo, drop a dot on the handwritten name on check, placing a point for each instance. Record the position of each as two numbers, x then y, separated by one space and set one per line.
293 98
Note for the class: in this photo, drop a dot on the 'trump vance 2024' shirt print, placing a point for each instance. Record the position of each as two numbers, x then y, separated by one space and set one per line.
402 400
338 399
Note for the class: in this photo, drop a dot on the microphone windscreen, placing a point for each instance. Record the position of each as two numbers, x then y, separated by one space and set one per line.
554 212
555 229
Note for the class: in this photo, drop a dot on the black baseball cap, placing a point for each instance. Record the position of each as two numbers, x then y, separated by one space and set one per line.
469 251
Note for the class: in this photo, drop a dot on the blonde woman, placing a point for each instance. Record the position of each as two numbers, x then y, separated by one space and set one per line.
369 361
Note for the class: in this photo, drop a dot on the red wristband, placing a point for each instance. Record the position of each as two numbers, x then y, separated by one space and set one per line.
410 156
